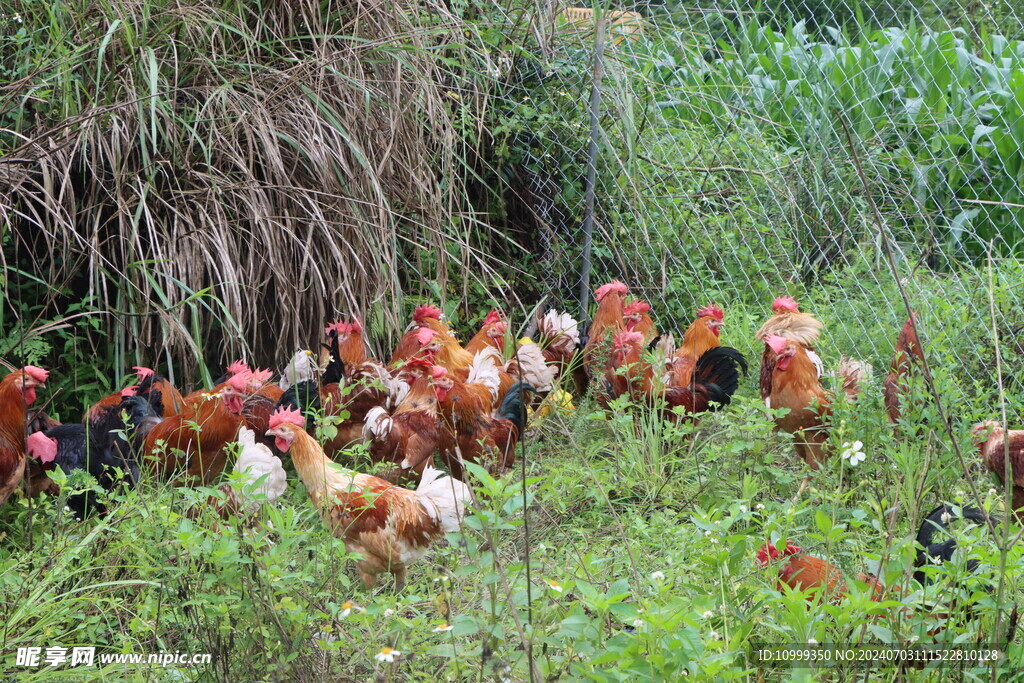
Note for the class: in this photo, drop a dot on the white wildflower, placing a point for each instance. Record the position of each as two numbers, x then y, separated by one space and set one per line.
812 641
554 585
708 614
743 509
853 453
638 623
388 613
759 506
714 540
657 576
387 655
713 635
443 627
946 518
346 609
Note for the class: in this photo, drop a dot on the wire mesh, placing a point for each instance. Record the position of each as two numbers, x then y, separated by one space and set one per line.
724 172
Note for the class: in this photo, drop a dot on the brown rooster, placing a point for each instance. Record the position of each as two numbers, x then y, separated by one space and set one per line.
492 334
811 574
793 384
197 439
636 318
410 436
700 337
389 527
993 442
17 392
789 323
906 360
470 432
606 324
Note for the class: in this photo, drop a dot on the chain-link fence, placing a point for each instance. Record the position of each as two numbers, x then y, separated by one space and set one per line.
726 166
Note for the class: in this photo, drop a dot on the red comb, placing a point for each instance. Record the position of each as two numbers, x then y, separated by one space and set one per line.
240 381
261 376
613 286
142 372
636 307
427 311
493 317
129 391
284 415
41 447
711 311
784 303
438 372
424 335
628 337
38 374
766 554
239 366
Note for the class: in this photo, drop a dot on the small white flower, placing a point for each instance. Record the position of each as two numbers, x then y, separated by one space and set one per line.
387 655
812 641
16 18
443 627
388 613
708 614
743 508
759 506
714 541
346 609
853 453
936 560
657 576
992 492
959 494
444 579
708 532
713 635
554 585
638 623
913 639
946 518
526 98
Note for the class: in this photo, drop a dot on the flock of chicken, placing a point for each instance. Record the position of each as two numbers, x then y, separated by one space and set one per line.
434 399
439 401
702 375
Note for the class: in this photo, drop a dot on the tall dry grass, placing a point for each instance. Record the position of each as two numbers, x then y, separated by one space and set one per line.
295 160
